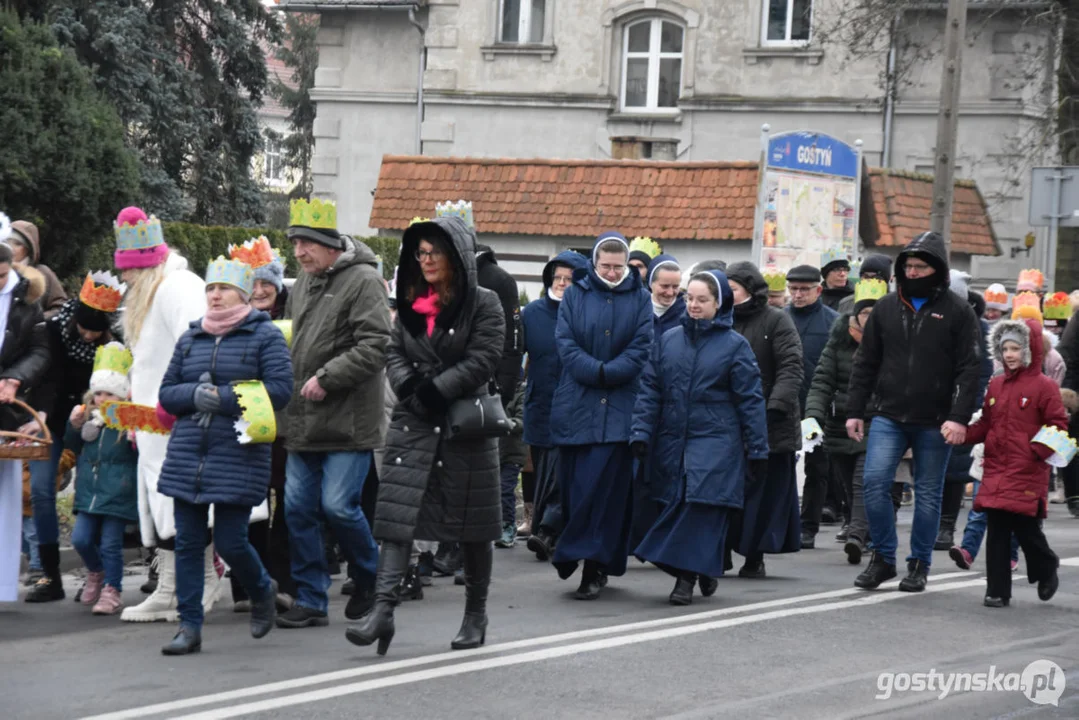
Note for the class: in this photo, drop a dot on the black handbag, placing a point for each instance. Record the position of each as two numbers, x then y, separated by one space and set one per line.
477 416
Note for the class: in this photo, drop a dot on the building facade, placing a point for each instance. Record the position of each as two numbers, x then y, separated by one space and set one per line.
685 80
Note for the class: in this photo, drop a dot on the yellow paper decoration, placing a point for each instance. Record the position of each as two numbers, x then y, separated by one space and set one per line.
131 416
318 214
285 326
646 245
257 424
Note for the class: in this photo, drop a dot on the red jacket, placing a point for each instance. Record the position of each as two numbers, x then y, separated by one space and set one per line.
1017 404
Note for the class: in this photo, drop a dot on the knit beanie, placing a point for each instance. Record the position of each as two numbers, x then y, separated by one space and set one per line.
140 242
91 319
273 273
640 256
996 297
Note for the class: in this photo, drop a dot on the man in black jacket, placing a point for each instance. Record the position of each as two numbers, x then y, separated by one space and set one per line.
916 375
490 276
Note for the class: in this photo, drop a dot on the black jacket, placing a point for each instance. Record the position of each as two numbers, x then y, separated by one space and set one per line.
919 367
827 400
814 323
25 353
1069 350
833 296
774 339
490 276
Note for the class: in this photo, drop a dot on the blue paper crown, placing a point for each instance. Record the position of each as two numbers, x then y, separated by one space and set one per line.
231 272
833 255
461 209
144 235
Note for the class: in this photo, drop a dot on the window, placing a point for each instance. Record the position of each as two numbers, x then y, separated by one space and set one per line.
786 22
652 65
273 162
522 21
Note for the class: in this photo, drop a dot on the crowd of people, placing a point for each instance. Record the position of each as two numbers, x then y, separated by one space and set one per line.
643 409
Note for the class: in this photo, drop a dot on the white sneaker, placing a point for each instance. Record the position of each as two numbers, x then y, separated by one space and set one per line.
161 605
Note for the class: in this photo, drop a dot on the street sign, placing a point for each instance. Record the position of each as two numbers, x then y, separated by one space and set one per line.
1043 191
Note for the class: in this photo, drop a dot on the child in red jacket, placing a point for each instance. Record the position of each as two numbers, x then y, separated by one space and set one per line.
1015 483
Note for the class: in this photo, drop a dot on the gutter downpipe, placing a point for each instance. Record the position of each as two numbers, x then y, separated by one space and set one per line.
419 79
889 96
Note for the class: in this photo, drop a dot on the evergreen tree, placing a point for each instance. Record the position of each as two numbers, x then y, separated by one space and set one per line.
299 52
63 162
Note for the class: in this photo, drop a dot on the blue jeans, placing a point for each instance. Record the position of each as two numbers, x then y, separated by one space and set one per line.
974 532
231 543
511 473
43 495
99 540
29 544
888 441
332 482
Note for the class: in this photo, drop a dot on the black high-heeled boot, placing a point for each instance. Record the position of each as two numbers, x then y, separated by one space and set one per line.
477 563
378 625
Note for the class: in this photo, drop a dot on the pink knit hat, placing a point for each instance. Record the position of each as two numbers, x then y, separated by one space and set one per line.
140 242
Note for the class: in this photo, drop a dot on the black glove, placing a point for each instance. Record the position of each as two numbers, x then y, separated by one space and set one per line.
758 471
775 416
639 448
409 386
431 398
206 399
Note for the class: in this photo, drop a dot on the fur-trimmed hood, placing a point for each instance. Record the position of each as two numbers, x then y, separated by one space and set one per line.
1029 334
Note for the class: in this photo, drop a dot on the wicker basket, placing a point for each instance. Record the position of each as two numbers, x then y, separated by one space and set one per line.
39 451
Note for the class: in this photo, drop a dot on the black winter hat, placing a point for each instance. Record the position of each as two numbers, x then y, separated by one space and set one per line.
640 256
804 273
879 264
91 319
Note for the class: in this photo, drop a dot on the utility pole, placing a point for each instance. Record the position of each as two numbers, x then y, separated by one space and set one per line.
948 122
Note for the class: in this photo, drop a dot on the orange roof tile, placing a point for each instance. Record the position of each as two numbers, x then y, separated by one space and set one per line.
664 200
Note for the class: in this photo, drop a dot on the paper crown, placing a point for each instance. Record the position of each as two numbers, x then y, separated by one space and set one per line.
418 219
646 245
5 227
812 435
1058 306
1030 279
285 326
143 235
255 253
870 290
776 279
231 272
113 357
461 209
102 291
833 255
1063 447
257 423
316 213
856 269
1026 306
996 297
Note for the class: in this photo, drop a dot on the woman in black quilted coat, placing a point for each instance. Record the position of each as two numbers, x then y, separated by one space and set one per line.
446 345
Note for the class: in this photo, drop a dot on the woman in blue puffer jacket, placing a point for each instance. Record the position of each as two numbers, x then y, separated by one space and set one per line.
206 463
700 420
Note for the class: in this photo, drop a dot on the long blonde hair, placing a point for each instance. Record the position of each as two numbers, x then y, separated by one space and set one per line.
138 299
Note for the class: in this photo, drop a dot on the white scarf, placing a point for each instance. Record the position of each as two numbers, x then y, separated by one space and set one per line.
660 310
613 284
5 303
556 298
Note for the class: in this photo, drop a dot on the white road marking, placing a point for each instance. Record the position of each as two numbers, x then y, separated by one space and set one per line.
551 653
386 667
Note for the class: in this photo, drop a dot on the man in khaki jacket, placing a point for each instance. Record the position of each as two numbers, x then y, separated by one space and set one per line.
341 327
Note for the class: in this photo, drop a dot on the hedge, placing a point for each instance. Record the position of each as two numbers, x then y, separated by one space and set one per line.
200 244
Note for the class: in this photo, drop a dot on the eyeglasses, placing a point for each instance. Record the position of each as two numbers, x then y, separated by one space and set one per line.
432 255
801 290
917 266
561 279
604 267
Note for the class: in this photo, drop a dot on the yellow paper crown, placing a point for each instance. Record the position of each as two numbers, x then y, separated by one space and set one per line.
418 219
870 289
1030 279
1058 306
113 357
646 245
257 423
776 279
102 291
254 253
1026 306
316 213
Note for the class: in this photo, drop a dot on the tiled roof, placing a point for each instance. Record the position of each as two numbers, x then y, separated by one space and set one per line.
903 202
664 200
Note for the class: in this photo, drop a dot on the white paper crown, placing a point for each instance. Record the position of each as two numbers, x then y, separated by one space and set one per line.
461 208
812 435
1063 447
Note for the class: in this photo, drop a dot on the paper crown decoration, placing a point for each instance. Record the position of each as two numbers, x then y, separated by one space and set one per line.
1058 306
5 227
461 209
856 269
1030 279
231 272
285 326
131 416
1026 306
1063 447
143 235
812 435
113 357
996 297
102 291
776 279
833 255
418 219
646 245
255 253
257 423
318 214
869 290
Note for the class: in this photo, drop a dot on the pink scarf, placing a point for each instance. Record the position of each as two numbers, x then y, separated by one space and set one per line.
222 322
428 305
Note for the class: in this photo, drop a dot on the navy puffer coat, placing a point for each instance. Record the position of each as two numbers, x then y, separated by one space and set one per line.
701 410
206 466
603 337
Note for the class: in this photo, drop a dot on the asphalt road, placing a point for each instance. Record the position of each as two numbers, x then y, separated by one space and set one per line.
802 643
